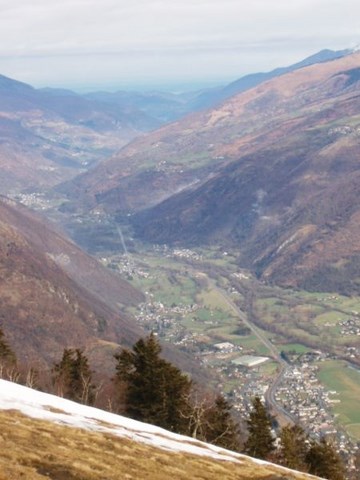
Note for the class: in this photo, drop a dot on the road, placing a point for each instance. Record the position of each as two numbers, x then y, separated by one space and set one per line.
283 366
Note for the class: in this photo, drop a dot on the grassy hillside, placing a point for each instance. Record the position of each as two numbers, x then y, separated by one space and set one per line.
67 441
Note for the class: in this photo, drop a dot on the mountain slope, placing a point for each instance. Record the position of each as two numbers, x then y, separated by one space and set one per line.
53 295
38 443
186 152
212 98
290 200
272 171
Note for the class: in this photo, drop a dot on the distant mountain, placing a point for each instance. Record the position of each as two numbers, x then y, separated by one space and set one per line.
160 106
95 445
50 135
215 96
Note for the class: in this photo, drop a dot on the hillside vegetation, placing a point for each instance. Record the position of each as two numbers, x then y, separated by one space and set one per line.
96 445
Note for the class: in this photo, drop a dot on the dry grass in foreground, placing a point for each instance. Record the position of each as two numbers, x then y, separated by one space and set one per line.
36 449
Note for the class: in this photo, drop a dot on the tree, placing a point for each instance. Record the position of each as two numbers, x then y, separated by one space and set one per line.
8 362
294 447
6 354
72 377
156 391
220 428
324 461
260 442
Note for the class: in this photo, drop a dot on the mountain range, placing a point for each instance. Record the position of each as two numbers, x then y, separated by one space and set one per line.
213 97
48 136
272 173
51 135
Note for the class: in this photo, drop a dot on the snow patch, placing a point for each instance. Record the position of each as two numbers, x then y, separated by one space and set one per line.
44 406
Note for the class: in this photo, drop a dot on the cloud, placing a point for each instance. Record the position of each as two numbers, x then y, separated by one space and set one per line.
171 33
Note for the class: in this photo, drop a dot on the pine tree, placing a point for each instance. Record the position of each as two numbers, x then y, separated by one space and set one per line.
6 354
324 461
72 377
156 391
8 362
293 448
260 442
220 427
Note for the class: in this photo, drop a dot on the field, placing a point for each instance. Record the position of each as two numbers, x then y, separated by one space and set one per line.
345 381
294 347
308 319
175 282
294 321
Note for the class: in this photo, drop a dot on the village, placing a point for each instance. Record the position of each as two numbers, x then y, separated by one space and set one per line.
238 369
300 392
350 327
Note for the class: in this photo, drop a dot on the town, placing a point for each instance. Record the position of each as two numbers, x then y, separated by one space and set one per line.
239 369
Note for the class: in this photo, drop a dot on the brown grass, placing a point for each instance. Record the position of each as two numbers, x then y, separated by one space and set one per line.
35 449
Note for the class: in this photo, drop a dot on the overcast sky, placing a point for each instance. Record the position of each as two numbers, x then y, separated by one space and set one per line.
91 44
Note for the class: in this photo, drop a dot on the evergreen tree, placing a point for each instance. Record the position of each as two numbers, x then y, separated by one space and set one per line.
324 461
293 448
219 426
260 442
7 356
72 377
8 362
156 391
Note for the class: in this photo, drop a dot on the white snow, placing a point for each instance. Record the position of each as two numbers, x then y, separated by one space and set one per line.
43 406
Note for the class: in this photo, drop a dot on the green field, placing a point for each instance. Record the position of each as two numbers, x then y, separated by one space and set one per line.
338 376
212 299
294 347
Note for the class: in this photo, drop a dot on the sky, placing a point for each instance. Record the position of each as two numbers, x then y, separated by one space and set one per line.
138 44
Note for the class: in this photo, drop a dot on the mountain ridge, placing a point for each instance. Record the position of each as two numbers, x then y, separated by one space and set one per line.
246 82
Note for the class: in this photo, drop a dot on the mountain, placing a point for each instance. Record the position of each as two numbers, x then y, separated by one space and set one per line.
162 106
49 437
50 135
290 199
215 96
54 296
271 171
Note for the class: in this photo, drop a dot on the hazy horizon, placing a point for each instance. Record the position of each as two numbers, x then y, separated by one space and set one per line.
85 45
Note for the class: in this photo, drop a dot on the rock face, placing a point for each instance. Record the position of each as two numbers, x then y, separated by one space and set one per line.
273 171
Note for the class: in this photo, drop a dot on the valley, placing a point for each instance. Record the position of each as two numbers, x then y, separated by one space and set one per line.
231 233
253 338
